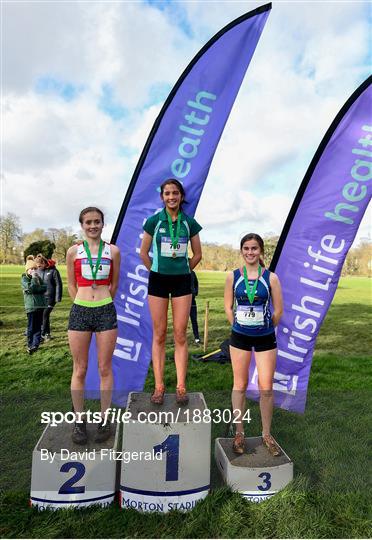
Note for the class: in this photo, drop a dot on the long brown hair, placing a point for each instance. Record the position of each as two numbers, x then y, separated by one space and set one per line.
260 242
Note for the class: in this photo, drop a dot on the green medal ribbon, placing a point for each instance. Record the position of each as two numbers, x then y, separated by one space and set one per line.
174 237
251 291
89 255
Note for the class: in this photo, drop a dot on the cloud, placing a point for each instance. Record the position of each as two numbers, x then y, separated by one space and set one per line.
64 158
301 75
84 82
226 217
42 38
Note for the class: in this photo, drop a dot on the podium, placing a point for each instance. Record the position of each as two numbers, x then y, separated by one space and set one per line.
67 475
256 474
173 471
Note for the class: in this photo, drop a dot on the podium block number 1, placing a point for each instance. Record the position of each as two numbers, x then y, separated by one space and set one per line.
171 446
68 487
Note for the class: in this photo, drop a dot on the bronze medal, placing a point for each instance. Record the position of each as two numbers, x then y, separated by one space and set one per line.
174 254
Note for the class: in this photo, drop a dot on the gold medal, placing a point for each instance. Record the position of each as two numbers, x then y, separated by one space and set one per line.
174 254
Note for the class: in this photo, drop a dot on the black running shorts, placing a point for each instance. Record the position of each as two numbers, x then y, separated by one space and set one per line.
258 343
93 319
163 285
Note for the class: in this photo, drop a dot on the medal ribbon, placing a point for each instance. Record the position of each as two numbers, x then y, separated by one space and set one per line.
89 255
174 238
251 291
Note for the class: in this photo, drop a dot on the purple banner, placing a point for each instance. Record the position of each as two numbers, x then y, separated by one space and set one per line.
319 231
181 144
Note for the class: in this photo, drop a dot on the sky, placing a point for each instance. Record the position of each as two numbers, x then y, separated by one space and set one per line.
83 81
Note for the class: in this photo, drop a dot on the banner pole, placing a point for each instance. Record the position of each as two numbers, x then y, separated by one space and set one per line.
206 326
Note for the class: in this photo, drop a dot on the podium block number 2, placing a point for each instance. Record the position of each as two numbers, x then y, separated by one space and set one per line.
68 487
171 446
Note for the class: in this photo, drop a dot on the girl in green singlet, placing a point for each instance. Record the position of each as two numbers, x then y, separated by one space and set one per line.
168 232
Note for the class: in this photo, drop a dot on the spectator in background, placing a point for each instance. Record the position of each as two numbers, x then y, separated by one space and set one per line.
51 277
35 302
194 308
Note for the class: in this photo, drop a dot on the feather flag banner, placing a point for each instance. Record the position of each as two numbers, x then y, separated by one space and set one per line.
181 145
317 235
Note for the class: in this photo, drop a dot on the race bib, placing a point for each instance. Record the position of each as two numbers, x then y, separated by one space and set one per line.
103 271
167 250
250 315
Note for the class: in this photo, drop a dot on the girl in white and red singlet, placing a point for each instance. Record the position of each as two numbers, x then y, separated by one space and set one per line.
92 277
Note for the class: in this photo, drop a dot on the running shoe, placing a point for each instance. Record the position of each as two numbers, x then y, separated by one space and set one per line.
103 432
271 445
79 433
157 397
181 396
239 443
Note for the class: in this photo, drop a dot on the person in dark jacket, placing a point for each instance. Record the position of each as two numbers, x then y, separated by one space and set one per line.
51 277
194 309
35 302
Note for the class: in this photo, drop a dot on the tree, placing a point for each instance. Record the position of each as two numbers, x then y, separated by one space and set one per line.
40 241
52 233
10 235
34 236
225 257
358 260
270 246
45 247
63 240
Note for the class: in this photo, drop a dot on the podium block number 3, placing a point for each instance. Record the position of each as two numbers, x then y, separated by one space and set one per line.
265 481
69 487
171 446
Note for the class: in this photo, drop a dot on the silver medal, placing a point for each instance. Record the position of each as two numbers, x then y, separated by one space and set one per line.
94 285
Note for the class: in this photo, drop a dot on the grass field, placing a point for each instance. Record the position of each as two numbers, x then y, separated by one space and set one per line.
330 494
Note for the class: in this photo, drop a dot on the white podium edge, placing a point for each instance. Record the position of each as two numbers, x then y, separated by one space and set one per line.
79 502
